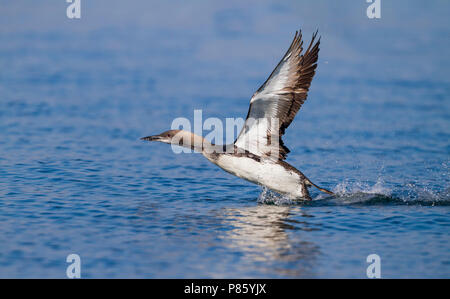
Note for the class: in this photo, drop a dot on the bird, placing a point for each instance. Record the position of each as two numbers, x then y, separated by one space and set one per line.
258 154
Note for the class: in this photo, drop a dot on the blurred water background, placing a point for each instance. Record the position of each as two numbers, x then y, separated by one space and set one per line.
76 95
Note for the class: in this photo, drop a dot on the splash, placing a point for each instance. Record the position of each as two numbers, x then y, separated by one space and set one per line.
271 198
363 193
348 188
415 193
381 193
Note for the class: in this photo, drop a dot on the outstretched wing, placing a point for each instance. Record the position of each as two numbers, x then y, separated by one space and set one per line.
275 104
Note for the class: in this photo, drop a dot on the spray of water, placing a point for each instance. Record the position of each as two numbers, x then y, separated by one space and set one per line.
356 192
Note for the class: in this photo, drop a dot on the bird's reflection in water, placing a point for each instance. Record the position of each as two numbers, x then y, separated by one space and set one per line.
270 241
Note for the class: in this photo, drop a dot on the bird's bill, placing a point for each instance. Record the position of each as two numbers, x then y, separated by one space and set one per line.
153 138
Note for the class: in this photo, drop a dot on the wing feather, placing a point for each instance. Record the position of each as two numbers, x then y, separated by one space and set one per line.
274 105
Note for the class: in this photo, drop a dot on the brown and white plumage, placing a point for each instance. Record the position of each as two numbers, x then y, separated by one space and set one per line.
258 153
275 104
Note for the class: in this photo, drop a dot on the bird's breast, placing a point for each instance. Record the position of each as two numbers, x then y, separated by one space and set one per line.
262 172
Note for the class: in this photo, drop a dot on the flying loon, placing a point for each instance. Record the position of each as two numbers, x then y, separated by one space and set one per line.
258 153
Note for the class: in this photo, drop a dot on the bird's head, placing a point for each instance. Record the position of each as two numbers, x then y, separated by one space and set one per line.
165 137
179 137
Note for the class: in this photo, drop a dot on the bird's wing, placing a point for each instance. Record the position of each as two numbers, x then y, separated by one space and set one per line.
275 104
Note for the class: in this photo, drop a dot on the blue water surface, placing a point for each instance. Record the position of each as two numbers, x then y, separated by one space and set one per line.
76 96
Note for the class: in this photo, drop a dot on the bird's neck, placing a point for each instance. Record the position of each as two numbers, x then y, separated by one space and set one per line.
193 141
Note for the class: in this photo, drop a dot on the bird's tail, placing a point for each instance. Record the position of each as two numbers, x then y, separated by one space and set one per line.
320 188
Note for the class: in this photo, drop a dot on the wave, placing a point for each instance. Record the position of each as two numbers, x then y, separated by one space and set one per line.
361 193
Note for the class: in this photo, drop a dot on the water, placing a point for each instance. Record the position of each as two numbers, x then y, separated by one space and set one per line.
76 95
